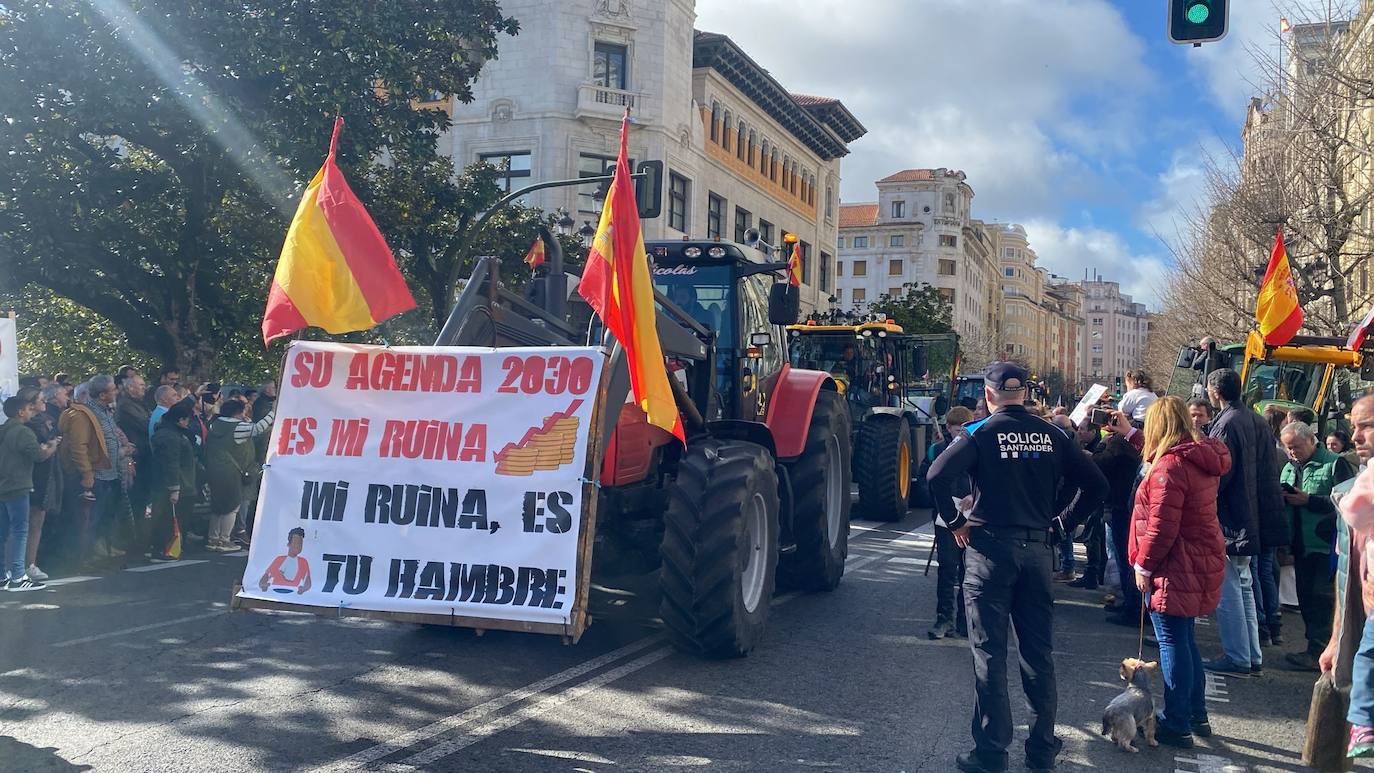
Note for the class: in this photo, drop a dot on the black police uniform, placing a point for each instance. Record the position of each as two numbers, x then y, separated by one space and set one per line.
1017 462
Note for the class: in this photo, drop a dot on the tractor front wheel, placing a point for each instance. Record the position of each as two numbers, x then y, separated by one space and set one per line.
882 467
720 548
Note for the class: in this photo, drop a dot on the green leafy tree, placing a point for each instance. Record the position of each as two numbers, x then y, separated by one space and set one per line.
921 310
154 152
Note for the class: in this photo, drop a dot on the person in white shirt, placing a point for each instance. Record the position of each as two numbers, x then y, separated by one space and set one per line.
1138 398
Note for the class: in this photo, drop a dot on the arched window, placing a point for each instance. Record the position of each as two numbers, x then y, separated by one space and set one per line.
787 173
763 158
715 122
729 123
739 142
753 140
773 165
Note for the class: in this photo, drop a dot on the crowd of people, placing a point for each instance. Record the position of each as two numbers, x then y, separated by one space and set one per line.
1196 509
109 472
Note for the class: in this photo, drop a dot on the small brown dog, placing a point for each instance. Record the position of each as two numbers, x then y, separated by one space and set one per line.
1134 708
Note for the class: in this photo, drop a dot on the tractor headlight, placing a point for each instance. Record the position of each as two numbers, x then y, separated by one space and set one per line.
692 252
715 252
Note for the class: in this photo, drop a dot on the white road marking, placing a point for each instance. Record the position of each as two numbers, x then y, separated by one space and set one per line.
68 581
1215 688
475 713
137 629
168 565
374 753
906 560
236 554
1207 763
534 709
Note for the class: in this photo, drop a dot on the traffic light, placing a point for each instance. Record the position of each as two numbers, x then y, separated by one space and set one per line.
1197 21
649 190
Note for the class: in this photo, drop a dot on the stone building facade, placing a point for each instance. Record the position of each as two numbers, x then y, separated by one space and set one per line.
740 150
1115 332
920 232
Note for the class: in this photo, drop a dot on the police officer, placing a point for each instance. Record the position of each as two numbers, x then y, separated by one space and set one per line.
1017 462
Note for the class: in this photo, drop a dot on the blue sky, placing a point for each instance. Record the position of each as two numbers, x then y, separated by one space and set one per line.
1076 118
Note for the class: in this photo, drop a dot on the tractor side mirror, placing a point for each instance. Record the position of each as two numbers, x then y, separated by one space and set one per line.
1367 367
761 339
784 303
1186 355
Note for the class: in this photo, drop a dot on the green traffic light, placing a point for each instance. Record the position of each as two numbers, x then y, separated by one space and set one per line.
1198 12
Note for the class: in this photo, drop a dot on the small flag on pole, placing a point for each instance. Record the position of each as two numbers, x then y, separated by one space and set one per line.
794 265
617 284
535 257
1277 308
335 271
1284 26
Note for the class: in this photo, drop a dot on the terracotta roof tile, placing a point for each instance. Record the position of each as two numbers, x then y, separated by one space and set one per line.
858 215
910 176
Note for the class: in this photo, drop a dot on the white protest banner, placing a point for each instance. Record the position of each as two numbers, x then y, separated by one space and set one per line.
9 357
1080 412
427 480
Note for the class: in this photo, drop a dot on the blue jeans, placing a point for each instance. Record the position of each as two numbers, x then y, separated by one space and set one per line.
1180 663
1362 680
1266 587
14 528
1066 555
1236 621
1117 534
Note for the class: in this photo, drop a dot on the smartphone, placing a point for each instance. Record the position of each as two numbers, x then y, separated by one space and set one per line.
1101 417
1288 487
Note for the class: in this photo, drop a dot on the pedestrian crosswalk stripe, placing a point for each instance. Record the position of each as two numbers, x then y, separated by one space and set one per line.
68 581
1206 763
1215 688
168 565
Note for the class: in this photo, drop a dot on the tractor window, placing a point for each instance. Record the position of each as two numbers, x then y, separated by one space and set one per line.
703 292
1298 382
754 319
833 353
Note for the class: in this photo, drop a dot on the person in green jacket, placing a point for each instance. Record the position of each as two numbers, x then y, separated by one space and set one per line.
19 450
229 466
173 471
1308 478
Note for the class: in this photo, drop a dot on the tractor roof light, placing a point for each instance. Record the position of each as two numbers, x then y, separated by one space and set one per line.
692 252
715 252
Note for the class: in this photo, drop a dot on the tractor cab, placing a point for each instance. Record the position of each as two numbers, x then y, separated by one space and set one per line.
875 363
742 305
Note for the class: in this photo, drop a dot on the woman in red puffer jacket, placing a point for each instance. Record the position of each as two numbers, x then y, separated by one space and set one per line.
1179 556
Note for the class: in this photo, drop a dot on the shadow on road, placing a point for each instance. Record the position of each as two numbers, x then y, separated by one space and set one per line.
17 755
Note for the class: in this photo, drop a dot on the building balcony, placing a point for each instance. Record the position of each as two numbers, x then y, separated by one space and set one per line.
594 101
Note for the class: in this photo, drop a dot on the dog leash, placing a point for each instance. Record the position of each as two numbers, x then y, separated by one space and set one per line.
1140 643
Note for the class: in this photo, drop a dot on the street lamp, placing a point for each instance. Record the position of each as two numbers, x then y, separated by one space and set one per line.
587 231
565 222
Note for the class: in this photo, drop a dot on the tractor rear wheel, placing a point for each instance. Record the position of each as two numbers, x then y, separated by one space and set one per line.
882 467
820 500
720 548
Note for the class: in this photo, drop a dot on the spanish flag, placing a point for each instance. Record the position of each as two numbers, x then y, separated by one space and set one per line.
535 257
335 271
794 265
616 283
1277 309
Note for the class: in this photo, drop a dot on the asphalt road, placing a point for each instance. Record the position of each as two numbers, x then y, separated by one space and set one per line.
148 670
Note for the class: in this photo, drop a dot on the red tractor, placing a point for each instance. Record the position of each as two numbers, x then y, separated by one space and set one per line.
760 495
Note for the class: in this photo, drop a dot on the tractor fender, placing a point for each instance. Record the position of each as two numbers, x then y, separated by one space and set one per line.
751 431
791 405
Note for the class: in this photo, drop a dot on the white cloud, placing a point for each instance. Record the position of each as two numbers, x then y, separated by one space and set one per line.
1002 89
1070 252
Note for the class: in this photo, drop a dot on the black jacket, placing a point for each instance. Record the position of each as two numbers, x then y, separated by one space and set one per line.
1249 501
1017 462
1119 462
